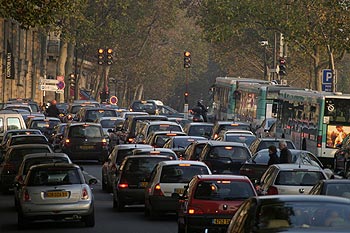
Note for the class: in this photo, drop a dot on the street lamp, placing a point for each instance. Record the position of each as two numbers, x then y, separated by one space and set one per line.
264 43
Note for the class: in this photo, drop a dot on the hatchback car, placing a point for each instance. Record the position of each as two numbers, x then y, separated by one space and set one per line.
13 159
291 213
26 139
167 182
210 201
333 187
243 136
34 159
56 191
194 149
144 106
133 177
224 157
258 164
159 138
85 141
115 158
289 179
44 124
156 151
179 143
203 129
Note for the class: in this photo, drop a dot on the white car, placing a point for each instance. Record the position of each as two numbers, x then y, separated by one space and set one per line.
167 182
290 179
56 191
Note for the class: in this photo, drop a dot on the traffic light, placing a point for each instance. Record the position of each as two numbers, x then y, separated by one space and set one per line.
72 80
186 97
187 59
282 67
109 57
101 56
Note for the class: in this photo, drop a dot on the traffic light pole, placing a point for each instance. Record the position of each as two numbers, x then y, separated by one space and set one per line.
186 95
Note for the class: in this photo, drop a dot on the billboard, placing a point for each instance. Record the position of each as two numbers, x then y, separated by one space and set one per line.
336 134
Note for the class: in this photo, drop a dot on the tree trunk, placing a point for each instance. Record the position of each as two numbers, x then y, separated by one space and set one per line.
61 71
69 70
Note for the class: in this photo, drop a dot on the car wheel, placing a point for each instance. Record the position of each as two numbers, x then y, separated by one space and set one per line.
118 204
180 228
104 186
89 220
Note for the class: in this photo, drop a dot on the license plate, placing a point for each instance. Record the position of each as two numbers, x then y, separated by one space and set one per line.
86 147
56 194
179 190
143 184
221 221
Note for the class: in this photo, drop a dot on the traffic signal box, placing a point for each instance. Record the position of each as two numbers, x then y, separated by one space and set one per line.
105 56
187 59
282 67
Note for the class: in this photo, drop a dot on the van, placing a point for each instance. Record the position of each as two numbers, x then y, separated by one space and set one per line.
9 120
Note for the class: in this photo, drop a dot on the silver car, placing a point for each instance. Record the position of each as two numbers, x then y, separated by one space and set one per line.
56 191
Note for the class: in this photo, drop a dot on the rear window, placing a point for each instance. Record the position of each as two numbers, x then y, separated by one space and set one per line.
13 123
92 115
298 178
18 154
141 106
122 154
182 142
200 130
234 126
58 176
181 173
44 124
28 140
108 123
247 139
85 131
266 144
164 127
223 190
235 153
35 161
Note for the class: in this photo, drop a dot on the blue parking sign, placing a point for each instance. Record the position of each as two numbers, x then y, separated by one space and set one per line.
327 76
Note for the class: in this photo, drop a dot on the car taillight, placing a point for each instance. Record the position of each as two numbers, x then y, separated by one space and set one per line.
67 142
123 185
84 194
26 196
215 136
104 142
157 191
69 117
194 210
272 190
130 140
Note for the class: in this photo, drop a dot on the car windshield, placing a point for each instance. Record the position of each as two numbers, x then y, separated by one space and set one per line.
182 142
309 215
200 130
54 176
93 115
223 190
44 124
108 123
235 153
85 131
140 106
298 178
182 173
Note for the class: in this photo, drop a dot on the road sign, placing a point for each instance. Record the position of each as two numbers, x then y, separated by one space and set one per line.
113 100
48 81
327 87
48 88
327 76
60 85
60 78
60 91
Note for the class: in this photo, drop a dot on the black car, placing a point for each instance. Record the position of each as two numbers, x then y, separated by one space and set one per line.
144 106
292 213
203 129
85 141
193 150
44 124
133 177
264 143
332 187
224 157
94 113
255 167
228 125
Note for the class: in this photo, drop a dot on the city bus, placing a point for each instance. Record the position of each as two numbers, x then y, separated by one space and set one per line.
225 94
314 120
257 101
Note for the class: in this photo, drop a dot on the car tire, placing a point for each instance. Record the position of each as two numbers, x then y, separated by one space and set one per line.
89 220
180 228
104 186
118 204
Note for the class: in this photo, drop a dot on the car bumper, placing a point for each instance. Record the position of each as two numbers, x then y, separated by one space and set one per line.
164 204
218 222
54 211
132 196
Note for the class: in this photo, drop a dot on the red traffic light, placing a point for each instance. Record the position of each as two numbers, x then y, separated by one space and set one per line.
187 54
186 94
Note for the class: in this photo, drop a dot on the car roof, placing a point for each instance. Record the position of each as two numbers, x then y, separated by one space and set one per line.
162 123
84 123
148 117
175 162
39 155
109 118
59 165
199 123
22 130
132 146
29 146
232 122
223 177
336 181
147 156
161 149
300 198
27 135
225 143
293 166
168 132
39 118
274 139
238 131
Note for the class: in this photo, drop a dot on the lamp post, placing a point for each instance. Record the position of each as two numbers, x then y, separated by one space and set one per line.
265 43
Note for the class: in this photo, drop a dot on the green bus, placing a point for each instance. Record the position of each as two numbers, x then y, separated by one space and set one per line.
257 102
225 95
315 121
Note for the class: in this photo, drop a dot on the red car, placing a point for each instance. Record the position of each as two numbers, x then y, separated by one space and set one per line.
210 201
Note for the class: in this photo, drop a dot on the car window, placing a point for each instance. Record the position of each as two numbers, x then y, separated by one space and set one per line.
47 177
236 153
247 139
122 154
164 127
13 123
298 178
182 173
223 190
28 140
86 131
18 154
108 123
34 161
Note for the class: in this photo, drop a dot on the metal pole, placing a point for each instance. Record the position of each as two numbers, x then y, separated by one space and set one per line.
186 95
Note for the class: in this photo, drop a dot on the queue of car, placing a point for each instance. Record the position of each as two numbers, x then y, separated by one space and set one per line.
214 176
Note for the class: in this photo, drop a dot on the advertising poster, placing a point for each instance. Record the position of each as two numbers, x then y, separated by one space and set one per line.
336 134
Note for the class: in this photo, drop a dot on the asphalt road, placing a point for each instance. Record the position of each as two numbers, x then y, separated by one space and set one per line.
132 220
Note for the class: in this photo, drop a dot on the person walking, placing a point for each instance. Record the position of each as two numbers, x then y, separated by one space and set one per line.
285 154
52 110
273 155
203 110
